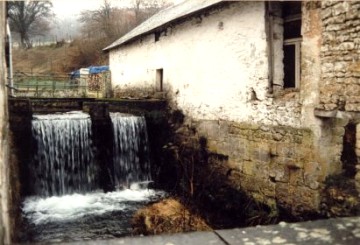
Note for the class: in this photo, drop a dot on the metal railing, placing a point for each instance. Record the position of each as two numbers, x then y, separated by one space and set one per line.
60 85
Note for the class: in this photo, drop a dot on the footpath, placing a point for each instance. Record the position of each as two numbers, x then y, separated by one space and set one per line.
330 231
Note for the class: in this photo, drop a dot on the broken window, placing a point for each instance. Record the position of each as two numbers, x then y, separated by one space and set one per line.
292 43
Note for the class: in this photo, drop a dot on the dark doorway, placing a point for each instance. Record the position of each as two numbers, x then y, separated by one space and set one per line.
348 154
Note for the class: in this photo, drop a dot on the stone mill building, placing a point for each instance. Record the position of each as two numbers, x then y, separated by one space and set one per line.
272 86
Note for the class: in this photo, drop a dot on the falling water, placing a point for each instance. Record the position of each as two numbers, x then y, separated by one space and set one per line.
68 204
63 161
131 153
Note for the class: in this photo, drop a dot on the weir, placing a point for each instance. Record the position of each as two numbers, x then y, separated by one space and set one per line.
63 160
70 177
131 151
95 199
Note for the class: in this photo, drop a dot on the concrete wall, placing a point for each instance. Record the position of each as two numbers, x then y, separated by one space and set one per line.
4 186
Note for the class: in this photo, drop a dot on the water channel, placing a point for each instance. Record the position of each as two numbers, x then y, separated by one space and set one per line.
68 202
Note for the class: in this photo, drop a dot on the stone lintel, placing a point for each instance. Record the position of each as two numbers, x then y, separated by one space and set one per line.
337 114
324 113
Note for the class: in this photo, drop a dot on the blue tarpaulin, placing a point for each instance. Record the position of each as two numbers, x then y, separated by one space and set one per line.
92 70
97 69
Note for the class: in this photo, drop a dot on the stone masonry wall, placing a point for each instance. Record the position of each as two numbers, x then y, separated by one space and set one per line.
4 185
340 56
276 165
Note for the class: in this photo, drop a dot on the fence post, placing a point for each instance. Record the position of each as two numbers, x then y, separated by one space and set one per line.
37 88
53 87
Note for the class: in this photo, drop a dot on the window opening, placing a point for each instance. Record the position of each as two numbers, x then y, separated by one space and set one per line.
292 43
348 154
159 79
157 36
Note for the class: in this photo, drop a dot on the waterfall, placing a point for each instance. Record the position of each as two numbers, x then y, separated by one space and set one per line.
86 179
130 154
63 159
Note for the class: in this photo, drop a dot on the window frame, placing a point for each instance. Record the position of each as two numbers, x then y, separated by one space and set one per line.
297 43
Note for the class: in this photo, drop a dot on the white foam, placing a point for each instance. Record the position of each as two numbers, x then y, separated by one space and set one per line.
66 115
71 207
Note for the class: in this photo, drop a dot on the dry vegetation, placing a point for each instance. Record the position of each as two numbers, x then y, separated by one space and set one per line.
61 58
99 28
167 216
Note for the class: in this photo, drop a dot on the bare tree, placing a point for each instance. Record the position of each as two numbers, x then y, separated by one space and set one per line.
29 18
146 8
106 22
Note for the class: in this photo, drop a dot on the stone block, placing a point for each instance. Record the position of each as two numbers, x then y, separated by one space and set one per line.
340 66
306 200
333 27
340 8
224 147
352 107
279 172
261 151
327 4
234 164
347 46
296 198
267 188
327 67
278 137
352 14
357 151
248 183
248 168
312 171
213 146
288 151
330 107
326 13
338 19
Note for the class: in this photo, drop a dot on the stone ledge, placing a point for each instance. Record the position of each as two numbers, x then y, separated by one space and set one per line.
324 113
337 114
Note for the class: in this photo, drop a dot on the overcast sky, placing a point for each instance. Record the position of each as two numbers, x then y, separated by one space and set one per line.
72 8
65 24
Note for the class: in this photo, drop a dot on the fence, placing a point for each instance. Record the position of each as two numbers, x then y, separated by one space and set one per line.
62 85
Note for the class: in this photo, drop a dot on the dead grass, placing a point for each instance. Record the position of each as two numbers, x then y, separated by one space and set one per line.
59 59
47 59
167 216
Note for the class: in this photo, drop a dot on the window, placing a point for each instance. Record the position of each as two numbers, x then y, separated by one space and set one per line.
159 80
292 43
157 36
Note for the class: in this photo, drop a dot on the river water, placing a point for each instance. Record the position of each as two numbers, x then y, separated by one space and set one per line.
67 201
80 217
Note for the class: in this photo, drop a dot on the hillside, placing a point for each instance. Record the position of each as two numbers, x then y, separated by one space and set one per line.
61 58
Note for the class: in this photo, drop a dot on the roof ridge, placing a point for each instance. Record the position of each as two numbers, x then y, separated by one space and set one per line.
164 17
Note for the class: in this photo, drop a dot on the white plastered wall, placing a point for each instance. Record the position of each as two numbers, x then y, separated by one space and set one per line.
216 67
